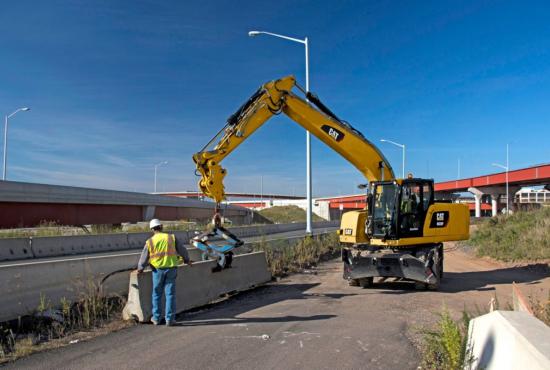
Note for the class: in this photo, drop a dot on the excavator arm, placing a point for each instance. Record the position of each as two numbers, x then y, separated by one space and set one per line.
273 98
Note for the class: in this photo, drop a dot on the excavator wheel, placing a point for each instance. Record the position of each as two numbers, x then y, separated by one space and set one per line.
420 286
366 282
437 267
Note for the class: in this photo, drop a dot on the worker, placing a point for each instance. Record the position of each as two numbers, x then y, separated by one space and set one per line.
161 252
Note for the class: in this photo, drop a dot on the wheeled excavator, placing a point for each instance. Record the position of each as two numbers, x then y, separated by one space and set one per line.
401 231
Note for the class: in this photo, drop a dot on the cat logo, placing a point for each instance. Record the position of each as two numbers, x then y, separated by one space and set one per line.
439 219
333 132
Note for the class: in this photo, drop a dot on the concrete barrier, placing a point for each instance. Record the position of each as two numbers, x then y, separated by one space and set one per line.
54 246
198 285
24 281
137 240
13 249
23 284
508 340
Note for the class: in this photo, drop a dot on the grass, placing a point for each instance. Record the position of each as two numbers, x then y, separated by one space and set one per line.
53 229
445 346
46 228
284 258
541 308
46 326
287 214
522 236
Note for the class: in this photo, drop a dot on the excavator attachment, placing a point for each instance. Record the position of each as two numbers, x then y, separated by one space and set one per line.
217 244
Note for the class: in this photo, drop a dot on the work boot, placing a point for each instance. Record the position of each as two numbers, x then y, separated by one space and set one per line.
154 322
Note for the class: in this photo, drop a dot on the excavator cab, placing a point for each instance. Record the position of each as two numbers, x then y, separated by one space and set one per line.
397 209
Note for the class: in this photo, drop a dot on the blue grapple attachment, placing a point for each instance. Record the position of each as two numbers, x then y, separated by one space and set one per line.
217 244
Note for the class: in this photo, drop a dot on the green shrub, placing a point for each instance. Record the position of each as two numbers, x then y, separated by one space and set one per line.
520 236
287 214
445 347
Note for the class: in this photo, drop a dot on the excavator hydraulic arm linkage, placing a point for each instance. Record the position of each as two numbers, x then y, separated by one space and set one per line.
273 98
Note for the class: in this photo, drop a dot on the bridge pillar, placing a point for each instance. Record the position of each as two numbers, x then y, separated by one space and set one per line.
513 190
477 195
494 204
496 195
148 213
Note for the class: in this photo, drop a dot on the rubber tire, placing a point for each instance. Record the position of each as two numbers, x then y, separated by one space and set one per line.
420 286
441 258
438 269
366 282
353 282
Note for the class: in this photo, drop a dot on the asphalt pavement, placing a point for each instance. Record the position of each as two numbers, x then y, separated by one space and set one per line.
306 321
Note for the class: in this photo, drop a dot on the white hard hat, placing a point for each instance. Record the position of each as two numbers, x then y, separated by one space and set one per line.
154 223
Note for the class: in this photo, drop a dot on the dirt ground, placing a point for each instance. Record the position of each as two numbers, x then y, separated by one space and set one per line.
305 321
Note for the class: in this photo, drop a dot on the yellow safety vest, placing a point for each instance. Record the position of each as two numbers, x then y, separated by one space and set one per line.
162 251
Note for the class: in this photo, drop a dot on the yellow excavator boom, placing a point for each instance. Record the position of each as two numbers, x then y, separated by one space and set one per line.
273 98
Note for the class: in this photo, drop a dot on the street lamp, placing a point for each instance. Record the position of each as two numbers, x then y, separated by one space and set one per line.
308 136
157 166
402 146
24 109
506 168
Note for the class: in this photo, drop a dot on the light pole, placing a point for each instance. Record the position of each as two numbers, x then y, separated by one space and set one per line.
157 166
24 109
506 168
402 146
308 136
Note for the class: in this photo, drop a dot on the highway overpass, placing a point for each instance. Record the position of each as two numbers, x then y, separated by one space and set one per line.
494 185
491 186
26 205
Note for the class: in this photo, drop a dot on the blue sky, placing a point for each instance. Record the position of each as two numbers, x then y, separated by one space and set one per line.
117 86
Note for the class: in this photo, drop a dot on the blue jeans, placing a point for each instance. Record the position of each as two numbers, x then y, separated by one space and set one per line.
164 280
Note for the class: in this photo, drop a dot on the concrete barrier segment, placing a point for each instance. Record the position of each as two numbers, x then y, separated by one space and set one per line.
137 240
198 285
54 246
13 249
22 285
508 340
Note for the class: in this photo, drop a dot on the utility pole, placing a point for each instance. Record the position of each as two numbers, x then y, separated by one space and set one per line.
402 146
156 167
305 42
24 109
